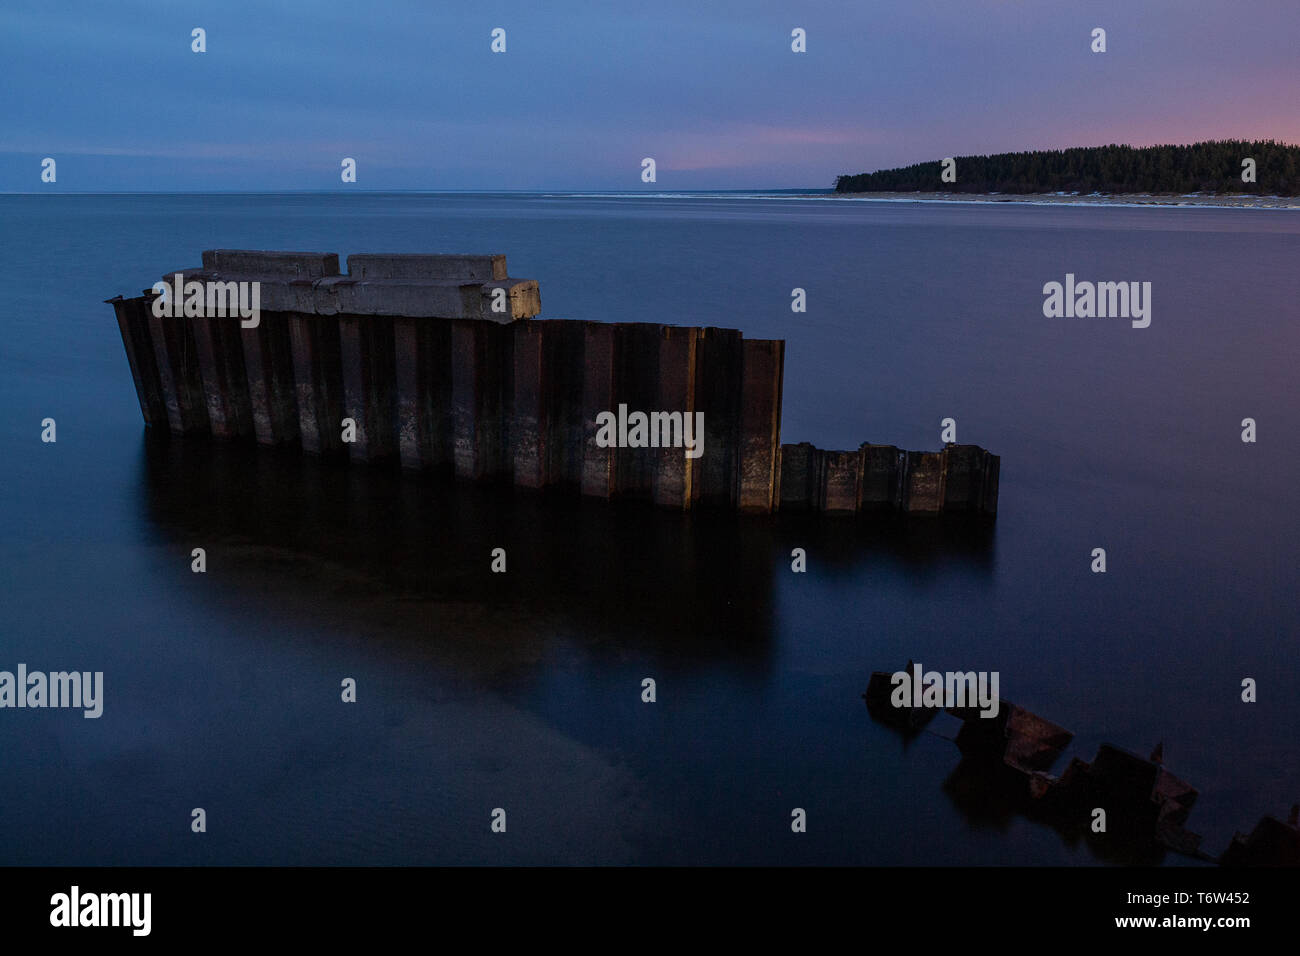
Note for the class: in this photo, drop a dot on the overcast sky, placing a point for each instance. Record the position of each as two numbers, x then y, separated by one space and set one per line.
585 90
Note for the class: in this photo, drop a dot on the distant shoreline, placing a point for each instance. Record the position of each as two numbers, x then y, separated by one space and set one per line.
1122 200
1070 199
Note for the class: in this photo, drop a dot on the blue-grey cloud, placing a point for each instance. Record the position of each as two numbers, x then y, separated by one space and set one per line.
585 90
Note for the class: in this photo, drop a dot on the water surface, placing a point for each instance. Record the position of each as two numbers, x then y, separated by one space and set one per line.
522 690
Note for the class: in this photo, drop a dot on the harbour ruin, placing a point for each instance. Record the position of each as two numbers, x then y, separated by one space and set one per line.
441 364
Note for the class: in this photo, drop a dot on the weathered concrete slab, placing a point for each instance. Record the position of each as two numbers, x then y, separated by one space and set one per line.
430 286
523 300
445 299
254 262
421 266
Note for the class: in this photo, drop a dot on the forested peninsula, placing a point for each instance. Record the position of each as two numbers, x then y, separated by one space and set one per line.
1221 167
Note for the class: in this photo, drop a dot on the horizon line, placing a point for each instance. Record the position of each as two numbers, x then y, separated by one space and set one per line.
409 190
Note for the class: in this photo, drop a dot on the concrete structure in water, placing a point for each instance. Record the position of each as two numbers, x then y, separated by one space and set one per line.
440 363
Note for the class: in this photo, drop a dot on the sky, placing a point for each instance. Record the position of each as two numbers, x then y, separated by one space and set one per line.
710 89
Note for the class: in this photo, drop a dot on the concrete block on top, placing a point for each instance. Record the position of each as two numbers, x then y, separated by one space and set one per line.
280 265
417 286
447 286
418 266
523 300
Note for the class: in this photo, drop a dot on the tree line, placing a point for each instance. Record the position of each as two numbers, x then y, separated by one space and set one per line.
1209 167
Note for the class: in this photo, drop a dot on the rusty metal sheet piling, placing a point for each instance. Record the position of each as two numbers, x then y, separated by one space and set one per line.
531 424
177 359
925 482
598 395
133 323
441 363
762 369
422 366
718 395
272 392
366 350
637 349
675 473
317 369
225 382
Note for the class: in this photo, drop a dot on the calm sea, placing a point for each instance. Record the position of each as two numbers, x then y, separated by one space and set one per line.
522 691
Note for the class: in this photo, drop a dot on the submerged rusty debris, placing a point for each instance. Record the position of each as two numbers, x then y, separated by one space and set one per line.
1005 768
